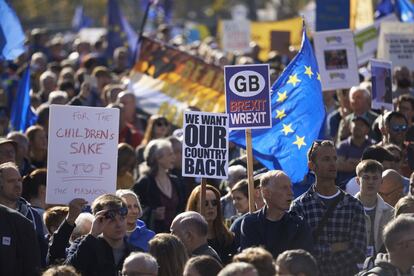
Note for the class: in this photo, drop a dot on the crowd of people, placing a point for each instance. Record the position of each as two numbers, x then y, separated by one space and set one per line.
351 214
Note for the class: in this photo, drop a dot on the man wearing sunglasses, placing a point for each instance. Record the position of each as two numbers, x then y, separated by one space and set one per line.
394 129
104 249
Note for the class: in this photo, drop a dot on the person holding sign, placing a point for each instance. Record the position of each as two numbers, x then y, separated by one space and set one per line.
219 237
161 194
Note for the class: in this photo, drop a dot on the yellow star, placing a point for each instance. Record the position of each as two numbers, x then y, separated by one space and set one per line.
280 114
308 71
116 28
293 79
319 77
300 141
287 129
122 34
281 97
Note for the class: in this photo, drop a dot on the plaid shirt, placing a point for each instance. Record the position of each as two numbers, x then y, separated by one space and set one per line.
346 224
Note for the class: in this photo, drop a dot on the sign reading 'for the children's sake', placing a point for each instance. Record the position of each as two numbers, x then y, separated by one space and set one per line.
205 145
82 153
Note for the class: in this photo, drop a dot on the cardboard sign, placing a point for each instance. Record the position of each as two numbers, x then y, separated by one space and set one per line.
205 145
336 55
236 36
396 43
248 96
82 153
366 39
381 77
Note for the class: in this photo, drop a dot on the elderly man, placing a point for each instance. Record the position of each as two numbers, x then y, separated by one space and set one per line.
191 228
139 263
8 149
360 102
272 226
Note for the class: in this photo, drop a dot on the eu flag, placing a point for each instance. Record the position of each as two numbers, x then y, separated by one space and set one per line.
405 10
80 20
22 116
297 116
384 8
11 33
120 33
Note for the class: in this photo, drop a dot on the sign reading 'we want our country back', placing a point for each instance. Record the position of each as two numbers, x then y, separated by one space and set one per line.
205 145
82 153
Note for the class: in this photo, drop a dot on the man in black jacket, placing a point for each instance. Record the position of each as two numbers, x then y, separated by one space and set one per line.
271 226
103 251
19 249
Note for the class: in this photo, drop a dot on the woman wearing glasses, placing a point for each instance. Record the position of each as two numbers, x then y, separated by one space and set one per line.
161 194
219 237
157 127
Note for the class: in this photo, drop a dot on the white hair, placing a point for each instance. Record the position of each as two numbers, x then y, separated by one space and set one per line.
239 268
58 97
139 260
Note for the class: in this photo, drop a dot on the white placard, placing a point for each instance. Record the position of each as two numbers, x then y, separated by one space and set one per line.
82 153
336 56
366 39
236 36
396 43
381 77
205 145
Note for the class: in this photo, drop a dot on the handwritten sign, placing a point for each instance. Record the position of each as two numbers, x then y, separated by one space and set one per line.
205 147
82 153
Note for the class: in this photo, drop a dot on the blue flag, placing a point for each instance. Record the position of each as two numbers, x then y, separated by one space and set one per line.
384 8
80 20
11 33
297 116
405 10
120 33
22 116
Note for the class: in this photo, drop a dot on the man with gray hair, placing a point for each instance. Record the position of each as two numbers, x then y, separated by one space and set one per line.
360 103
191 228
238 269
266 226
399 242
138 263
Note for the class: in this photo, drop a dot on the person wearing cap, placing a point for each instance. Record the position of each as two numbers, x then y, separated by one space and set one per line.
8 149
350 150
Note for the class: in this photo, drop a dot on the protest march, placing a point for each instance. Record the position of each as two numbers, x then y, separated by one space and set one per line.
207 138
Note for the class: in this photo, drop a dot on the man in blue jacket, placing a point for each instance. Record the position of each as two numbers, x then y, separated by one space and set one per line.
272 226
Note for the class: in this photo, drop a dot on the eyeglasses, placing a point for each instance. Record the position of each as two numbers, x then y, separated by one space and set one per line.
111 214
213 202
161 123
399 128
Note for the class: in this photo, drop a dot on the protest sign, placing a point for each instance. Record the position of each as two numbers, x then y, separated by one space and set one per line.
381 84
205 145
336 56
332 15
366 39
236 36
82 153
396 43
248 96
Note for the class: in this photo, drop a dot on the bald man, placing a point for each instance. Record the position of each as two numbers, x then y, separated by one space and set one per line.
267 226
139 263
392 187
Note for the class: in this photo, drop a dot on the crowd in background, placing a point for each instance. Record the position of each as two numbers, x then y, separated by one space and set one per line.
351 206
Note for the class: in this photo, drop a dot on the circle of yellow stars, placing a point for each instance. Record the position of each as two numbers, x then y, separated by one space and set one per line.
282 97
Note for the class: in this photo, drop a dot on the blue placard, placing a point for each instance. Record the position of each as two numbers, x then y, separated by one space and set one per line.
332 14
248 96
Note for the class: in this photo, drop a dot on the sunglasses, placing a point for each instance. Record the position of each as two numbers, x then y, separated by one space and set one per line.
111 214
213 202
399 128
161 123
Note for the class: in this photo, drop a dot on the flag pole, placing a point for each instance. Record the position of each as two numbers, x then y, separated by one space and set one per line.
203 196
249 153
144 20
